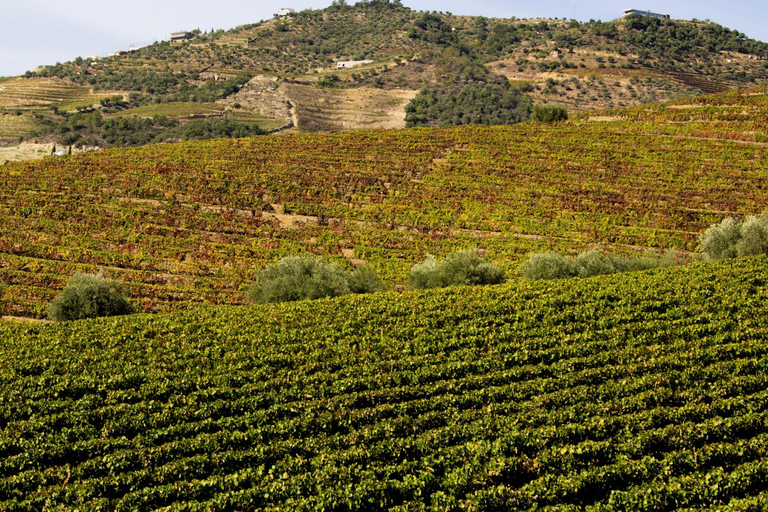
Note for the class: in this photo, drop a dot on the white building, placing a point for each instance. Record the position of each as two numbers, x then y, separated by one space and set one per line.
285 11
181 35
629 12
351 63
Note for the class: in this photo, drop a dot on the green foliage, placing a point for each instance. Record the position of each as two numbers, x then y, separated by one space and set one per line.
587 264
682 41
93 129
306 277
460 268
490 103
331 80
89 296
549 112
364 280
733 238
549 265
634 393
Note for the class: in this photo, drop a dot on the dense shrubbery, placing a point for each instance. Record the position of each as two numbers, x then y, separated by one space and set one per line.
460 268
590 263
549 112
490 103
92 129
306 277
89 296
734 238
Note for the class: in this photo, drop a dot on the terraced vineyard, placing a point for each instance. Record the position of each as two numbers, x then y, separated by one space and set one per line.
21 93
642 391
189 223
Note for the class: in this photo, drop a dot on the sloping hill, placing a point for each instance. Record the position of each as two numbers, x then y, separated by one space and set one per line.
642 391
190 223
267 67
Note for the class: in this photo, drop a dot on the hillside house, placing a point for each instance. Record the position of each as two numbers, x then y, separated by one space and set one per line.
285 11
181 35
629 12
351 63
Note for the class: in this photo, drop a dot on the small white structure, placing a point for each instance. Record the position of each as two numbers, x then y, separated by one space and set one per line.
629 12
285 11
137 48
351 63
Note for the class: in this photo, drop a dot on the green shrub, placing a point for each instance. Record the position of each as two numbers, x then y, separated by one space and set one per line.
549 112
460 268
733 238
89 296
587 264
754 237
305 277
594 263
719 241
548 265
364 280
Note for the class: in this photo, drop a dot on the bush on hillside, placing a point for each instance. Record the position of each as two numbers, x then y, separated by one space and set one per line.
733 238
549 112
89 296
460 268
306 277
587 264
364 280
549 265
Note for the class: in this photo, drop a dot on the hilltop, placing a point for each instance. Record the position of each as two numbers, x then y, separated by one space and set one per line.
427 68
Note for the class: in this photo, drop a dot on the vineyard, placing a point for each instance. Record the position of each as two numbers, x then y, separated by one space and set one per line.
185 224
642 391
18 93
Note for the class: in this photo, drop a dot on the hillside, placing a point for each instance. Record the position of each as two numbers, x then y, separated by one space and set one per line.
641 391
282 72
190 223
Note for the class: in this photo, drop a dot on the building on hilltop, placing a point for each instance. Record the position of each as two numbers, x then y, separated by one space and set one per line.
351 63
629 12
285 11
181 35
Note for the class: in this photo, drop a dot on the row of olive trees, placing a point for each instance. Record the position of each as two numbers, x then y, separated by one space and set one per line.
307 277
289 279
731 238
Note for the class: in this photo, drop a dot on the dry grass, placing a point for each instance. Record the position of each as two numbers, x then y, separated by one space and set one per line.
28 151
348 109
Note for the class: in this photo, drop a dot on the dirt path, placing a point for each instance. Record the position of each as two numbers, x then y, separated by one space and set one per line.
24 319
